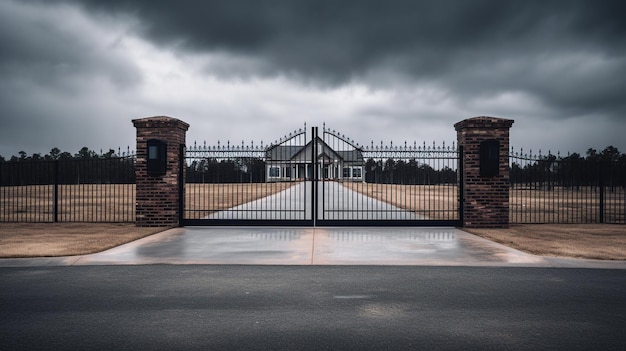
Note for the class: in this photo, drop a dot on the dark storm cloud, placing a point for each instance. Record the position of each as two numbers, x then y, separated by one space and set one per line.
570 54
52 62
89 65
48 49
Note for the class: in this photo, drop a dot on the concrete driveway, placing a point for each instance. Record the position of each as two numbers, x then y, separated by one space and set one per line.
313 246
374 246
316 246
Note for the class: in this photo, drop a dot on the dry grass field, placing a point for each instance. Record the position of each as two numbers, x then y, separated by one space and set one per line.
203 199
437 202
592 241
66 239
566 205
116 202
558 205
76 203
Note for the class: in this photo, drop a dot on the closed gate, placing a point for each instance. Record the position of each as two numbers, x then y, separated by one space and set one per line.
307 179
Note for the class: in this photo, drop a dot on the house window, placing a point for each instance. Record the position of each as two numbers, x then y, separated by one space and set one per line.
287 172
274 172
357 172
346 172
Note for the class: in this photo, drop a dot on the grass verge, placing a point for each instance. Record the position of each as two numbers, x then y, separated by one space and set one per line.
593 241
66 239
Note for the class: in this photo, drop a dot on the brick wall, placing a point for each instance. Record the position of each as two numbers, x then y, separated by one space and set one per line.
484 200
157 197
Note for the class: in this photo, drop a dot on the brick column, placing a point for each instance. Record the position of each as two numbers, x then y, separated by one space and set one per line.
485 195
157 197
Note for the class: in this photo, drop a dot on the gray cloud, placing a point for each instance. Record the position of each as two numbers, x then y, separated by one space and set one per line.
57 69
58 46
469 48
539 62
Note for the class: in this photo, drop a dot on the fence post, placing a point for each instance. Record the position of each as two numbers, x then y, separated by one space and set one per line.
158 194
461 183
56 191
181 183
484 187
601 186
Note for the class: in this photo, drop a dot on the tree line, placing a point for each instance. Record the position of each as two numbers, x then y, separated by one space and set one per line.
87 166
253 170
56 154
239 170
407 172
57 167
607 167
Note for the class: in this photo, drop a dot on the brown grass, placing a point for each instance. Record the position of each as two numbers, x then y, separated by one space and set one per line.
566 205
437 202
203 199
594 241
65 239
116 202
76 203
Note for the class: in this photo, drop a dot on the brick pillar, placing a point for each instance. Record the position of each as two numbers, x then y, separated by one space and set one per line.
157 196
485 195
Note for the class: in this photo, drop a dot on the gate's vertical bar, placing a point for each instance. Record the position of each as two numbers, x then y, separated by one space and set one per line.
313 175
601 185
322 176
181 185
56 191
303 142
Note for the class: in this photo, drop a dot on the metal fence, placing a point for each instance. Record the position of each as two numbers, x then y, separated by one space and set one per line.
228 184
97 189
320 179
401 184
572 189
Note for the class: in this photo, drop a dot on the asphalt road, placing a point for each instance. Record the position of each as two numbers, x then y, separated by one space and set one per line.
173 307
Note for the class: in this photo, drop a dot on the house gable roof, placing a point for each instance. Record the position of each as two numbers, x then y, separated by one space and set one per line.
298 153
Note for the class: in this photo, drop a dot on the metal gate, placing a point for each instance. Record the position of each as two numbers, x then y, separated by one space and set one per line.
308 179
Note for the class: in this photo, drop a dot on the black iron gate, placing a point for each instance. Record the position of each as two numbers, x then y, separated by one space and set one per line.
308 179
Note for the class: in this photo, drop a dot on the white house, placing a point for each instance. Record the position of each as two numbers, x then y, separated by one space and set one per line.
294 162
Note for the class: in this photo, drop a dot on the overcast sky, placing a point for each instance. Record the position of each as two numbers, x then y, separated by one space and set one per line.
75 73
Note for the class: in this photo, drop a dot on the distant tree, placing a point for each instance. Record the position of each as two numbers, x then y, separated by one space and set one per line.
65 156
610 154
54 153
592 154
85 153
109 154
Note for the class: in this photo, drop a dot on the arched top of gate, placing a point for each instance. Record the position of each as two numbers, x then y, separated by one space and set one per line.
289 138
341 137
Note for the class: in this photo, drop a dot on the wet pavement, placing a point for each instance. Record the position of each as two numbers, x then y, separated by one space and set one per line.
315 246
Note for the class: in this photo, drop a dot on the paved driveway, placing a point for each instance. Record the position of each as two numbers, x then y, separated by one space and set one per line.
336 202
315 246
418 246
